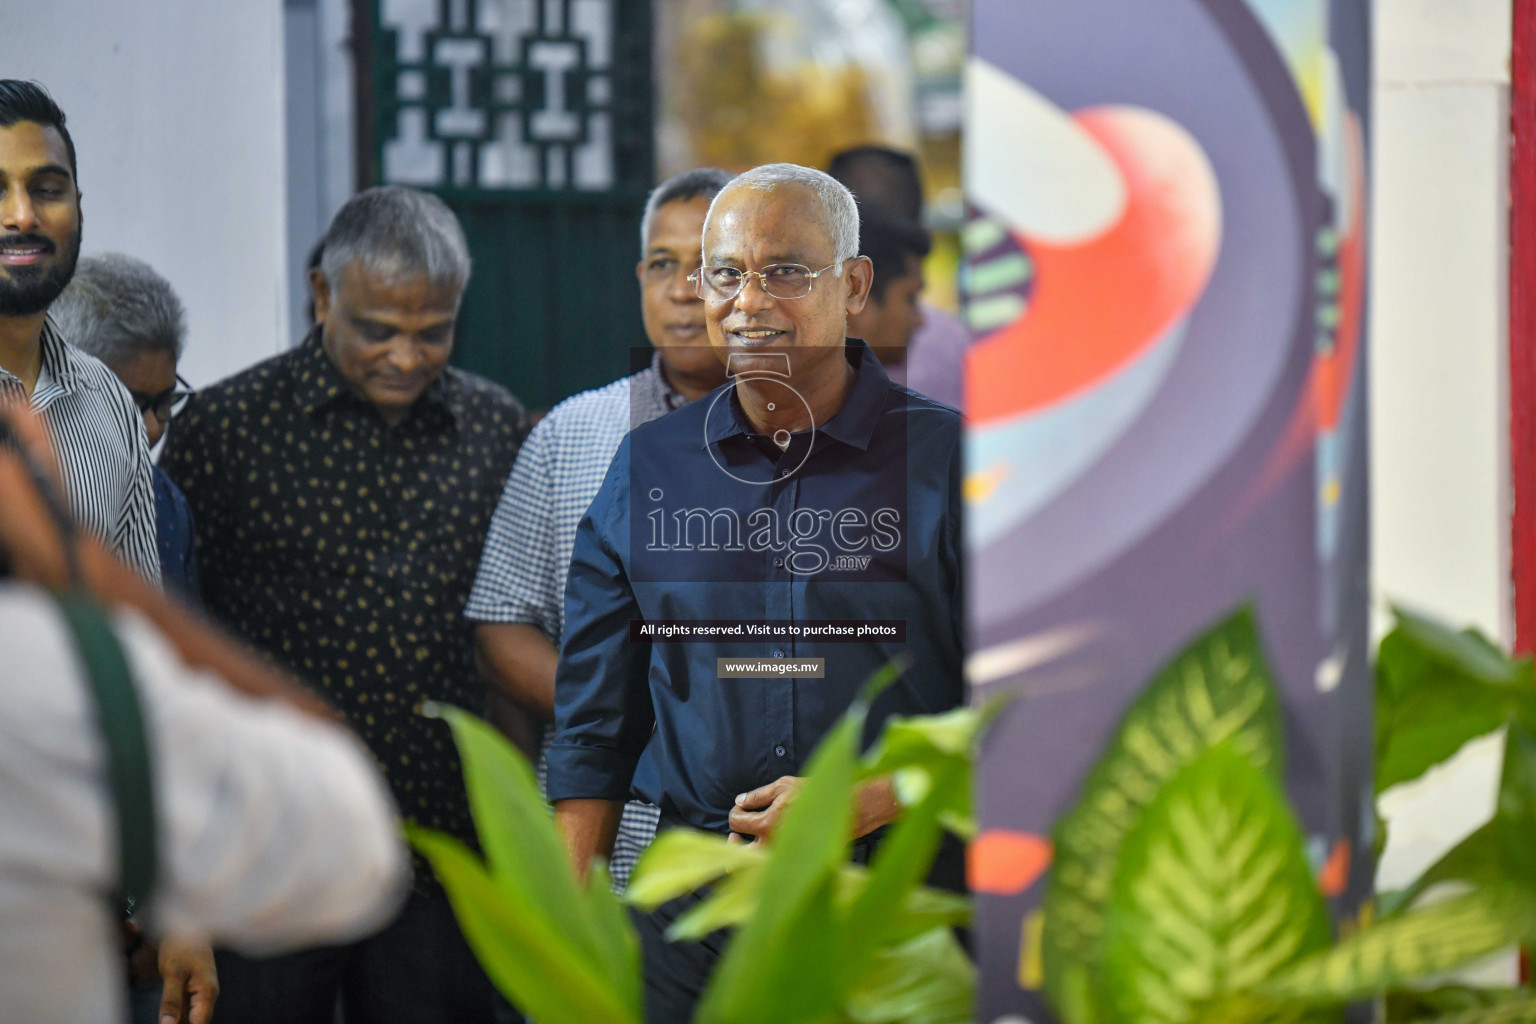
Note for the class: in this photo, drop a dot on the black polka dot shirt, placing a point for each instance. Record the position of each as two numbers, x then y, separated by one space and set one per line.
345 549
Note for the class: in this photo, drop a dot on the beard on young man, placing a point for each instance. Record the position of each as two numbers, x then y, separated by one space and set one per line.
27 290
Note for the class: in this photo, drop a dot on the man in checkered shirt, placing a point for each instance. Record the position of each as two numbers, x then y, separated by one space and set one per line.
517 603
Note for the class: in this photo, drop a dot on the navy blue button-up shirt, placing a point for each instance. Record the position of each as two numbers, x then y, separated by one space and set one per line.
700 519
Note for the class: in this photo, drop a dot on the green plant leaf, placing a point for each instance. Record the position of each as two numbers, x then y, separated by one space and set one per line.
1419 944
735 898
608 923
781 964
928 980
1243 1009
1520 1011
908 741
1213 895
1477 858
1437 688
1515 814
529 869
1077 1004
911 748
681 860
901 862
517 833
1218 688
1467 651
1448 1002
1504 848
542 969
730 904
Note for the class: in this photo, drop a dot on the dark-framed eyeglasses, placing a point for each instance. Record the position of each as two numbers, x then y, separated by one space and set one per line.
167 403
781 280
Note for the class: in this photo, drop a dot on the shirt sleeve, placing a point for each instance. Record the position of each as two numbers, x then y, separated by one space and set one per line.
603 711
516 579
133 536
276 829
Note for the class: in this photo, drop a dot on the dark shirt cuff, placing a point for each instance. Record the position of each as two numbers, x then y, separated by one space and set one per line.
579 772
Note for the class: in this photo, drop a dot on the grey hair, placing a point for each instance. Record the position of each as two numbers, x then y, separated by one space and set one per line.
398 232
117 308
701 181
840 213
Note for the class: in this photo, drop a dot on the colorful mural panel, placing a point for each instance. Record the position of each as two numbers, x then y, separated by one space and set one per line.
1165 275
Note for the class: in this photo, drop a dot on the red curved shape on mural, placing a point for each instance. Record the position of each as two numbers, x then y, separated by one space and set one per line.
1098 305
1004 862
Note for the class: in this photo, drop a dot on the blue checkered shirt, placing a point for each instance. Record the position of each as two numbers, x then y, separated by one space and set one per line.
528 548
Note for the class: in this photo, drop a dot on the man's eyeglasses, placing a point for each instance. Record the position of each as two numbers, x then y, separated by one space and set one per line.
167 403
781 280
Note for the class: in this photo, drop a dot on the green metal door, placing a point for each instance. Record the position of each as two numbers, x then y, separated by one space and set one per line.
532 118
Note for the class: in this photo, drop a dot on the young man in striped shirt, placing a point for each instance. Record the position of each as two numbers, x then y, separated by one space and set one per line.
517 603
96 430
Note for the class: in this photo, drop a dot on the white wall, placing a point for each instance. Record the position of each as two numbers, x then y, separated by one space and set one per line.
1439 320
1439 374
176 109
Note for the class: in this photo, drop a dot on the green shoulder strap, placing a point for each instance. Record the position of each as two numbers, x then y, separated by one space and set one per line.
121 720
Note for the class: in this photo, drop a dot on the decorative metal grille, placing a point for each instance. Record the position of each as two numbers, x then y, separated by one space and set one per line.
498 94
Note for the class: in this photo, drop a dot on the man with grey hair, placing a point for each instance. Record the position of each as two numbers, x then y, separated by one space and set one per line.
120 311
822 499
516 602
341 493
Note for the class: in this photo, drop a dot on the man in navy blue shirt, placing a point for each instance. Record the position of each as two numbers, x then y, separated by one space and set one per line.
805 515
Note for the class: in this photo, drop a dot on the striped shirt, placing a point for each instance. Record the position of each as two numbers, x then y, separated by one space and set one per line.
528 549
98 436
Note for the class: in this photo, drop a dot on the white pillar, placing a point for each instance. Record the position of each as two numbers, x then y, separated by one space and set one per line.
1439 310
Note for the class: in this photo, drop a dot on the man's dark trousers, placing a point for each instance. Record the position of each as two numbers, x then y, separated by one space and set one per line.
675 972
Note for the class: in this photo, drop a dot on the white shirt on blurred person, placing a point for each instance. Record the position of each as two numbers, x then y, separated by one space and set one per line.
274 828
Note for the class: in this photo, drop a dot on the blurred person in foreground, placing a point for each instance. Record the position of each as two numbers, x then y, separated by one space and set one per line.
97 433
274 827
517 603
934 359
341 493
731 510
123 313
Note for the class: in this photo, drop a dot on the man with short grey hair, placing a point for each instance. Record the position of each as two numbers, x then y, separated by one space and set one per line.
341 493
806 504
120 311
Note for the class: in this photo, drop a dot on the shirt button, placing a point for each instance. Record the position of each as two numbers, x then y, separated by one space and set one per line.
779 750
778 653
778 563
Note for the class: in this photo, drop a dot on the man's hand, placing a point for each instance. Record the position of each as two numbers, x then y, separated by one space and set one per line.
758 813
191 981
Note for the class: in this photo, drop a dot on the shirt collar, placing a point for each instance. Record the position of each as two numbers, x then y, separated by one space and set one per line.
60 362
318 383
853 424
660 390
